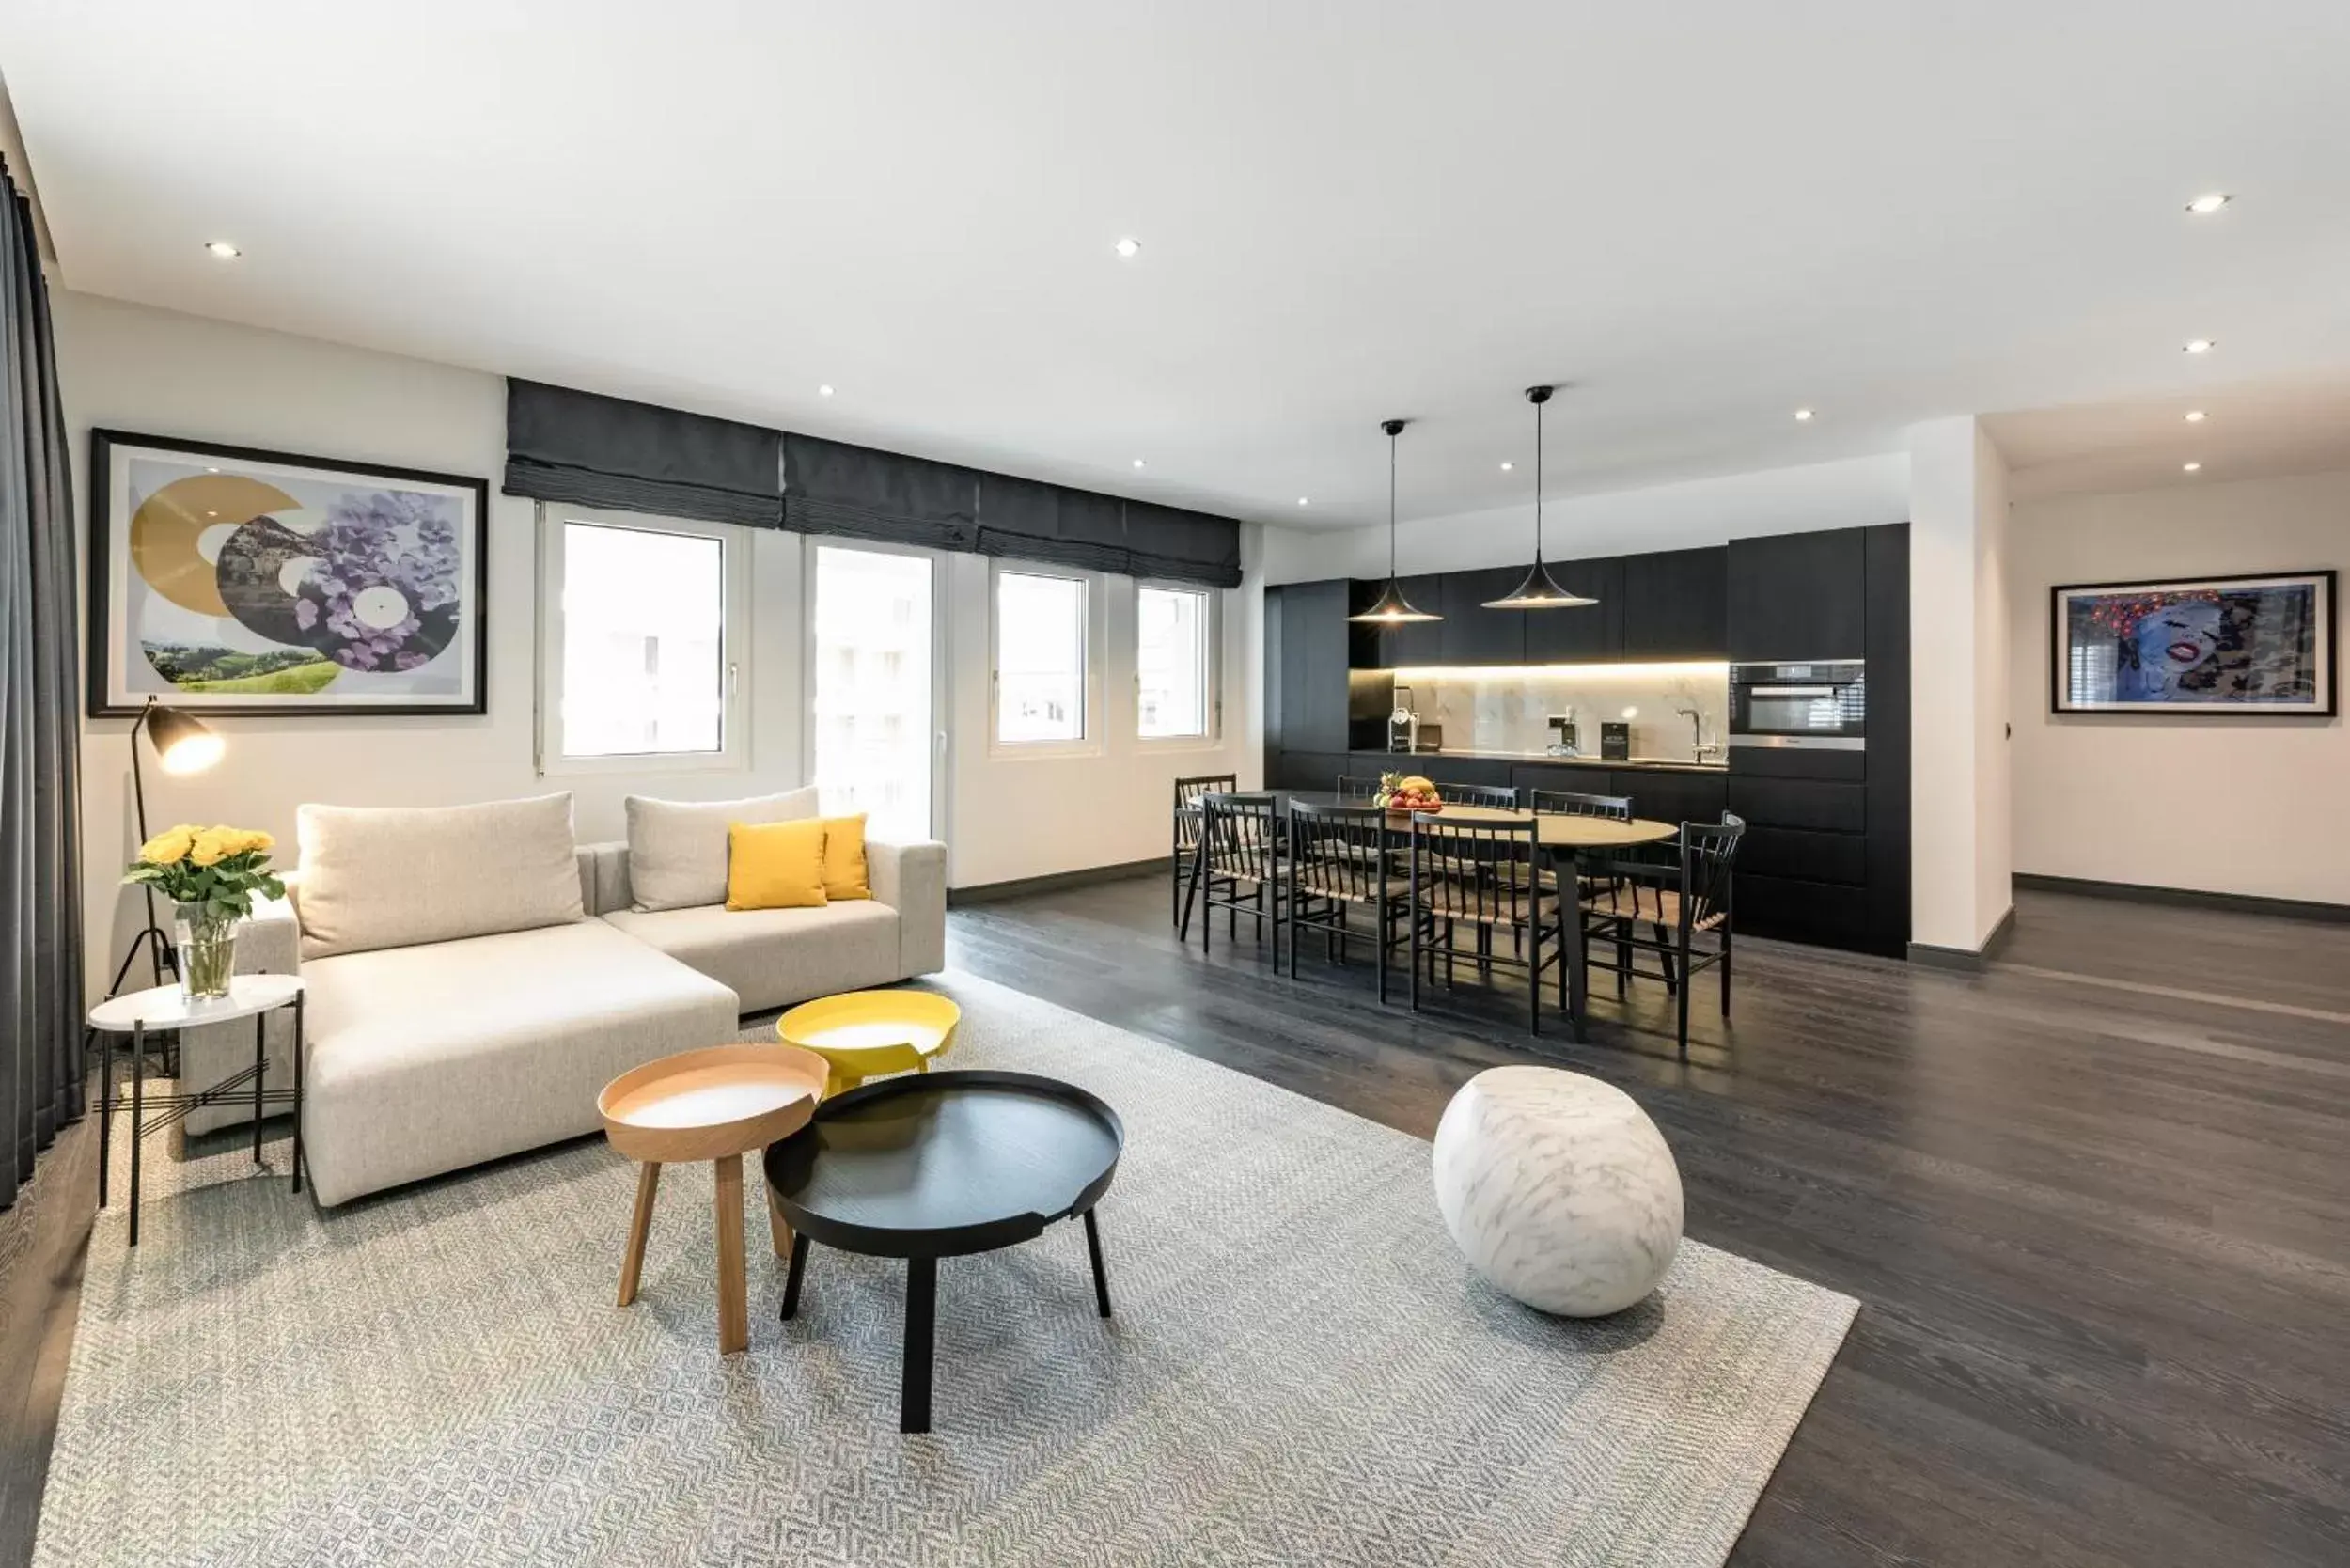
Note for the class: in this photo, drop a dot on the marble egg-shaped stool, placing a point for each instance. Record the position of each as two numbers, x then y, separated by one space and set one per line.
1559 1189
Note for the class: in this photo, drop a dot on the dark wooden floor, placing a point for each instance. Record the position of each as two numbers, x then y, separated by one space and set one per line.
2101 1233
2096 1204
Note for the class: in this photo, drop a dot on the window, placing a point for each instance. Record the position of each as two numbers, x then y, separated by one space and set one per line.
1040 674
1172 669
870 628
640 663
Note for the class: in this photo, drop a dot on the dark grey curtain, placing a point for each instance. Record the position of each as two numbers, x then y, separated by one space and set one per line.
599 451
40 855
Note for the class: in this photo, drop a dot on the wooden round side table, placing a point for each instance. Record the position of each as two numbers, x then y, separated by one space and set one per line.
718 1104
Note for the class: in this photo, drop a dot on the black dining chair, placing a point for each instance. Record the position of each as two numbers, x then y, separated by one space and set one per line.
1679 903
1566 803
1471 879
1186 840
1240 863
1355 787
1334 866
1500 798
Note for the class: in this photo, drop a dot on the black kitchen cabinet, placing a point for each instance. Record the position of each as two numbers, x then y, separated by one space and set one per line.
1419 642
1672 797
1675 604
1314 666
1795 910
1311 770
1591 634
1801 803
1473 634
1840 858
1796 597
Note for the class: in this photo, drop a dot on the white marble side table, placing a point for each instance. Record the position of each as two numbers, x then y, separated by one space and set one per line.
252 997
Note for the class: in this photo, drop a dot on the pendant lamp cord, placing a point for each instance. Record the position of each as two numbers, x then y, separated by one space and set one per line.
1538 487
1391 506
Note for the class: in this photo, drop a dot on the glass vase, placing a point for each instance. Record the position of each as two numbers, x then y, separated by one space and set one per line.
207 951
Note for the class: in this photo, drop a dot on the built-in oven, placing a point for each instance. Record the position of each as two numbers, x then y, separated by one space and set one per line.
1824 704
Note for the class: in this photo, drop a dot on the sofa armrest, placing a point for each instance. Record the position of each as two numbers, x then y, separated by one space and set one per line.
603 877
912 880
269 942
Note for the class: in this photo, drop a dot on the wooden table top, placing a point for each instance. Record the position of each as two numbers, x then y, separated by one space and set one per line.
1553 831
708 1103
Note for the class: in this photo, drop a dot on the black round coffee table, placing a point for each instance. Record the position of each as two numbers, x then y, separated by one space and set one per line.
938 1164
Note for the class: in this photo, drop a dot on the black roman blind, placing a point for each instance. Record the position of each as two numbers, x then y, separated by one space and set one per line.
830 487
580 447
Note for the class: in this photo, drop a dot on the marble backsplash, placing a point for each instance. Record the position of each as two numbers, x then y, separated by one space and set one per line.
1508 709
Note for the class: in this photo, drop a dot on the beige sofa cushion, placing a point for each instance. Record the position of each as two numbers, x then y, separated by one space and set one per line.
395 876
431 1058
677 849
775 957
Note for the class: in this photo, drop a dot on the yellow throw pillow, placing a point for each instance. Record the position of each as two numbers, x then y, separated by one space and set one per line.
845 858
775 865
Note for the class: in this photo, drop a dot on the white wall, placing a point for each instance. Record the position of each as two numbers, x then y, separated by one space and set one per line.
126 367
1960 859
154 372
1852 493
2221 805
1029 815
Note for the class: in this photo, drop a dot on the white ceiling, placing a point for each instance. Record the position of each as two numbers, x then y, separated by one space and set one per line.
1700 217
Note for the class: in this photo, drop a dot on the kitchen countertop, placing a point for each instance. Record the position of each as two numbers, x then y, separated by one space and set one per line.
1636 765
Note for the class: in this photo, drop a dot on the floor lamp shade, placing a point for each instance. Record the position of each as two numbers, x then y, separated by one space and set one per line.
183 743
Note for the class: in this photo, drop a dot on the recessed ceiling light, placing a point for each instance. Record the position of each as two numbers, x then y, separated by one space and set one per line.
1802 417
2191 467
825 390
1301 500
1128 248
1137 463
1507 466
223 249
2199 345
2196 416
2203 206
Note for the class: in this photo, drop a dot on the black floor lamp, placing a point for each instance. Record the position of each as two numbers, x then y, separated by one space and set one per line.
184 743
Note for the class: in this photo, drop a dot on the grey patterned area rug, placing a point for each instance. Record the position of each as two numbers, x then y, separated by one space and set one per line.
1301 1371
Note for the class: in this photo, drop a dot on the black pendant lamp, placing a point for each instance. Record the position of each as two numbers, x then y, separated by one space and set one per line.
1540 591
1392 609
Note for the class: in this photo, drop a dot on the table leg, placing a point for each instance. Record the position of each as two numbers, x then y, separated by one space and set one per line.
1571 945
1093 1249
914 1382
138 1107
260 1077
778 1228
734 1323
301 1050
639 1227
792 1277
105 1109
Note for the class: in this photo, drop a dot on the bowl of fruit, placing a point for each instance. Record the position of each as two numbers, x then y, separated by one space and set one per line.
1408 792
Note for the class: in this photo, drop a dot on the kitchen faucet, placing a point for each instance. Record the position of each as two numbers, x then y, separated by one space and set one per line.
1699 746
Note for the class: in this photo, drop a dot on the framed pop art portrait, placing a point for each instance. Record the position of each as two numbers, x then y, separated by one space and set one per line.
239 581
2243 645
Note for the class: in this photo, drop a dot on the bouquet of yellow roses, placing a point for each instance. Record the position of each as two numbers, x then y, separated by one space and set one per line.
211 874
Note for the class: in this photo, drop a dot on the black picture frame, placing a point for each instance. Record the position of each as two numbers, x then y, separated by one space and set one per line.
2324 663
102 697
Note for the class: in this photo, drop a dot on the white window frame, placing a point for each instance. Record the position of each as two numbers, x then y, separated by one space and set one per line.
941 696
1089 742
1211 674
735 565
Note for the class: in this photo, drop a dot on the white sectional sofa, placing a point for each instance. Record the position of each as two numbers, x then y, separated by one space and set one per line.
473 979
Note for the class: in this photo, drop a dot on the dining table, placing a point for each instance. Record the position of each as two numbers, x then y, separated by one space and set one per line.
1569 840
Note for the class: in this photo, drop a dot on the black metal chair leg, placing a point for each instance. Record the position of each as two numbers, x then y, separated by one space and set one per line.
794 1273
1101 1277
914 1378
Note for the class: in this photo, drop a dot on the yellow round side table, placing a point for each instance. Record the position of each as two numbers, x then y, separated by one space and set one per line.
866 1034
